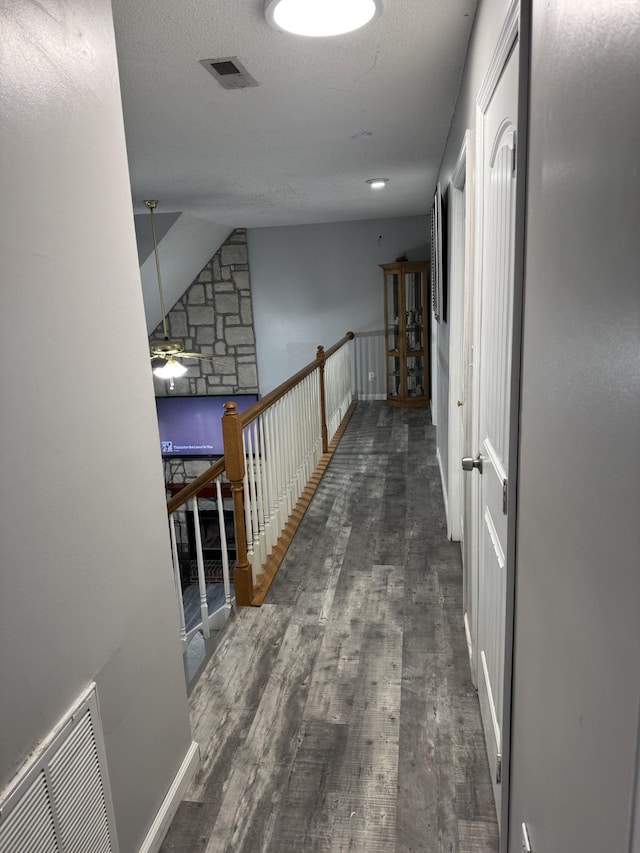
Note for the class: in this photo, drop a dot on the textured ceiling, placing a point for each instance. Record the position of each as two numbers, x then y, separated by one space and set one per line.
291 150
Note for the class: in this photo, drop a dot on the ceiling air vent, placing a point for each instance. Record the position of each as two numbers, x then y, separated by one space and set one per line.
229 72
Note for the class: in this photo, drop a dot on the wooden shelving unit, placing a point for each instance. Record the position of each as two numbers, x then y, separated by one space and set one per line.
406 333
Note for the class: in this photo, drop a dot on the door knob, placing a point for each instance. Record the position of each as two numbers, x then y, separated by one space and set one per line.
469 463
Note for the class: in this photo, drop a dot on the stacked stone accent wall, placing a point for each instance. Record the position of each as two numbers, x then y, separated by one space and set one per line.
215 316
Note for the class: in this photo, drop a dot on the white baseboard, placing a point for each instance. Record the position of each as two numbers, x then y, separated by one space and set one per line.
445 496
219 618
372 396
176 792
467 631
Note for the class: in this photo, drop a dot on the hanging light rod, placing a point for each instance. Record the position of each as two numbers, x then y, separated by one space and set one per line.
317 18
152 203
170 368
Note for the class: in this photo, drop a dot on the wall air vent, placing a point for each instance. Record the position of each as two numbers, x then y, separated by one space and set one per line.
60 801
229 72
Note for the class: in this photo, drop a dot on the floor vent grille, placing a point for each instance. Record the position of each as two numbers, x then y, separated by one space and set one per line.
60 802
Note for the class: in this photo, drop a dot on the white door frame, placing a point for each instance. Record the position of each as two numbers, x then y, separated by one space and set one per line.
513 29
460 382
457 285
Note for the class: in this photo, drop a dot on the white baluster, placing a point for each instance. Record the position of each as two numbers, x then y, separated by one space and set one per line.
275 471
176 579
251 476
281 463
269 467
202 584
313 408
318 419
223 544
247 510
306 416
264 480
296 444
290 448
260 486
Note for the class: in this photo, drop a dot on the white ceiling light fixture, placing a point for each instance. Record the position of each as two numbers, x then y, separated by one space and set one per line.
317 18
172 369
377 183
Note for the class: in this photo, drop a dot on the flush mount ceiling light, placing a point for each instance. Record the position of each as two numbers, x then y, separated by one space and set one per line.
321 17
377 183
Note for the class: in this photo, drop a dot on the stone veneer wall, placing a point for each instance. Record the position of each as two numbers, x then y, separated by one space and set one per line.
214 316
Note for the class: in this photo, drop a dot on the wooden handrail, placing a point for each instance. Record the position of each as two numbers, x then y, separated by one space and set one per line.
370 333
193 488
250 414
348 337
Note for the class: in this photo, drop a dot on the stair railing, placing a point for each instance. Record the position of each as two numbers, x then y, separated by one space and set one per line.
210 485
273 452
274 455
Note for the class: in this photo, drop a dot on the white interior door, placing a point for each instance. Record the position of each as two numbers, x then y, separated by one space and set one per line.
496 127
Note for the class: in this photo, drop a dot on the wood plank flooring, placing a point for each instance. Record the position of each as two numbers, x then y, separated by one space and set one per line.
340 716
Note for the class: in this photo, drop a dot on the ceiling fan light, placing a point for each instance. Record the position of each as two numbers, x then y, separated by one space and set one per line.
172 369
318 18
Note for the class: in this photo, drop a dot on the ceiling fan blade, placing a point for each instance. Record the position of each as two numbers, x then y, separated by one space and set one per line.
196 355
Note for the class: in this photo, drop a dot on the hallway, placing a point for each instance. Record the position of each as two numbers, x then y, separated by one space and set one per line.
341 715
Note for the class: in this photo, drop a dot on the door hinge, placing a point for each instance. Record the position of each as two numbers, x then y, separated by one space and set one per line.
498 768
514 155
505 496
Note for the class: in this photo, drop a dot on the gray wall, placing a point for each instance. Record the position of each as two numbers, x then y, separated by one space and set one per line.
442 390
144 239
184 250
86 589
214 316
313 283
577 635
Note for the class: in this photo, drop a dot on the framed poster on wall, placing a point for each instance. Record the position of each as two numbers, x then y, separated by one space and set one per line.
438 257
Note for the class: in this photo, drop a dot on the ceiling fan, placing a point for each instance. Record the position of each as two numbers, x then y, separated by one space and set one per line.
167 352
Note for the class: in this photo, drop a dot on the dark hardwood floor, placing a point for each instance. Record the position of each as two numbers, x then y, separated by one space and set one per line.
341 715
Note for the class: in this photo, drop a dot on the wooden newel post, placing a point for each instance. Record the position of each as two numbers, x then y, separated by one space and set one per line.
323 404
234 466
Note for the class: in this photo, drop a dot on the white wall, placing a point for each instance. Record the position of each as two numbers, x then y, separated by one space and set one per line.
486 28
312 283
577 630
86 589
185 248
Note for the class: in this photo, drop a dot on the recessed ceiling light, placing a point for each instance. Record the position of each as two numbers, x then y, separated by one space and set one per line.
321 17
377 183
